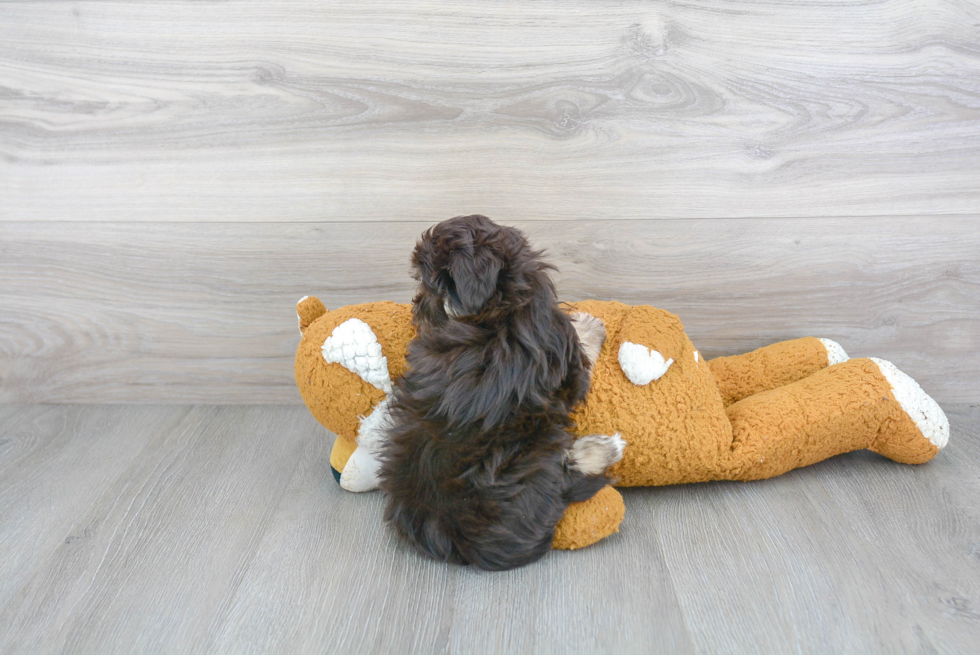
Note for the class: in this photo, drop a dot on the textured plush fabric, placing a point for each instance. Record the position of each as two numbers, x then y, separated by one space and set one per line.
675 428
586 523
767 368
845 407
335 395
342 450
745 417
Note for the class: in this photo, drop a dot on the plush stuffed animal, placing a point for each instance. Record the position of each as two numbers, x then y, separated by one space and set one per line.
684 419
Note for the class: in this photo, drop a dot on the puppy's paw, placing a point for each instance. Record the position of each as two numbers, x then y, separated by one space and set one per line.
591 334
593 454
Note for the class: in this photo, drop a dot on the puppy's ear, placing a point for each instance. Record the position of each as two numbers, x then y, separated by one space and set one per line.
474 273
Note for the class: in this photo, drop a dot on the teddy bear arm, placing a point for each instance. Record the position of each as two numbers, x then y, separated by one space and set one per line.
773 366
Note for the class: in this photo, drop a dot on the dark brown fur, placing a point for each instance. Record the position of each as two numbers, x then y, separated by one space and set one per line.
475 469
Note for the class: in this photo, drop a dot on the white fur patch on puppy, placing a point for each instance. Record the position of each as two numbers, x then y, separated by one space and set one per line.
642 365
593 454
835 354
591 334
353 345
450 312
361 471
925 412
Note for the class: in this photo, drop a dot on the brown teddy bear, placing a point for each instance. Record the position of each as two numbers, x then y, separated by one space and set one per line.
684 419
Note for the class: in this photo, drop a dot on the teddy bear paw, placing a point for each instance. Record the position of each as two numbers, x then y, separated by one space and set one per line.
925 412
361 472
835 353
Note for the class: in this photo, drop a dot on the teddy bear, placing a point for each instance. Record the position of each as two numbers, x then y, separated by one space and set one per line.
683 418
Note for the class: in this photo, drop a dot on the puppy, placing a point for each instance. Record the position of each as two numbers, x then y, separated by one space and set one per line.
479 466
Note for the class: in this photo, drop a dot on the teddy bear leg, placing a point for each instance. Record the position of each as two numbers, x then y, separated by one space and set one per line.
861 403
773 366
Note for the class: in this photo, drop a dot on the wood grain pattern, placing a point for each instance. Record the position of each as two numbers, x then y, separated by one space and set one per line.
935 515
382 111
54 466
227 534
171 535
814 561
101 312
364 591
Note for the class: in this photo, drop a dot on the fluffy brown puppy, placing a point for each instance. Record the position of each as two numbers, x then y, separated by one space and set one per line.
478 464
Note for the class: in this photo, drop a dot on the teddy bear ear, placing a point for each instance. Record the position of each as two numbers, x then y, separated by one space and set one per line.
308 309
353 345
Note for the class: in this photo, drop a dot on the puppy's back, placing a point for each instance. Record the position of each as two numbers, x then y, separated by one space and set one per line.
474 469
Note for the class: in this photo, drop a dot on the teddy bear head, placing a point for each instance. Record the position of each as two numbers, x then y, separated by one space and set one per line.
345 363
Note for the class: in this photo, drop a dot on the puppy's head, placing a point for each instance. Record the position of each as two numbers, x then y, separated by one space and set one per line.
465 265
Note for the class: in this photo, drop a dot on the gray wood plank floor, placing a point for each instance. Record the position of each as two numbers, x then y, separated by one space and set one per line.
219 529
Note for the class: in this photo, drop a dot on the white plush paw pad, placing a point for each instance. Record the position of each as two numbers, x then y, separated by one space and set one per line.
353 345
925 412
835 353
361 471
593 454
642 365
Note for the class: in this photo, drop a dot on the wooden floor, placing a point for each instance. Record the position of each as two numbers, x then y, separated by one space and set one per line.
219 529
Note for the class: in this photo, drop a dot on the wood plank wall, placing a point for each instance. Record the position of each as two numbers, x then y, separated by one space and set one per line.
175 175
